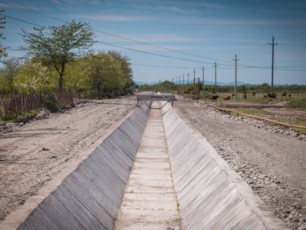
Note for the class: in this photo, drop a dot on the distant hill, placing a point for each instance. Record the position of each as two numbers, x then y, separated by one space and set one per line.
145 83
227 83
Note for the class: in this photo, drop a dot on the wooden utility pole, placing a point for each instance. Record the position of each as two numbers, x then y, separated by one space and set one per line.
236 60
188 79
272 72
203 79
215 76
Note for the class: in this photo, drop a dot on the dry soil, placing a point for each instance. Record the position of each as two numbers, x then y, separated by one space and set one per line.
34 153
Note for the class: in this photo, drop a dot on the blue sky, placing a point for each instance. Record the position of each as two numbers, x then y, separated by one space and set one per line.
166 39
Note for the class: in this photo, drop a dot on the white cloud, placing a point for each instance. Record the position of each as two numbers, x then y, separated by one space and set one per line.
174 9
151 38
242 22
213 5
115 18
18 6
65 2
142 48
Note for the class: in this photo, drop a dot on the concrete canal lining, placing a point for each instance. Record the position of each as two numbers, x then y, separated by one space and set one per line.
89 197
150 201
210 194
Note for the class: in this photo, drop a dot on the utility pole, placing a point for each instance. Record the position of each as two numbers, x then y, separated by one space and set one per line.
188 79
194 86
272 77
236 60
203 78
216 76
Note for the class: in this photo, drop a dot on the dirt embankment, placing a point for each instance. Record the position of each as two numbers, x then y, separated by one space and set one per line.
34 153
273 164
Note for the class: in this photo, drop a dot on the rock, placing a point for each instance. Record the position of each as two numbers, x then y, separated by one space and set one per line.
302 227
42 114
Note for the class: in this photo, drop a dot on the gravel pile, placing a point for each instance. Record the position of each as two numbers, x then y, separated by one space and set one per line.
266 186
270 128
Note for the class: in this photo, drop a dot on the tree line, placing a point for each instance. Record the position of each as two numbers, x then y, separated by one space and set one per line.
168 86
58 58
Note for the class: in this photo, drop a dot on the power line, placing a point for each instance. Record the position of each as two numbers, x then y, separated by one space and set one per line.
32 11
150 53
145 43
20 20
167 67
123 47
123 37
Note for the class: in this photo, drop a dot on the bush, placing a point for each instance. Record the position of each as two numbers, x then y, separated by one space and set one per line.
272 95
50 102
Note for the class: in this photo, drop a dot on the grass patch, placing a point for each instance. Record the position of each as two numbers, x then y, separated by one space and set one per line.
298 103
253 111
296 121
23 117
256 100
303 131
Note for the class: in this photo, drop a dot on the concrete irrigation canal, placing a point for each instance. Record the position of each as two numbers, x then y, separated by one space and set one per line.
151 172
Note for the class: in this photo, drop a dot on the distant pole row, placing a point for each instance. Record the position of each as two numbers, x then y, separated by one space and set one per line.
235 60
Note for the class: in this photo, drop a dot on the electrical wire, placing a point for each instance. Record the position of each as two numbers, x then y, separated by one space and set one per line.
168 67
123 37
155 54
20 20
148 44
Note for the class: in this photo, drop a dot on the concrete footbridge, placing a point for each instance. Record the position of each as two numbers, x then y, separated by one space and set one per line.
152 172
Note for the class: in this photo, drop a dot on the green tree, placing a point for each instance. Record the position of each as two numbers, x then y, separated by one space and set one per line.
32 76
77 75
59 46
265 87
125 67
105 74
243 88
11 66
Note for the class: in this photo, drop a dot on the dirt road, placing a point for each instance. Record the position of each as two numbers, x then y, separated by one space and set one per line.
273 164
34 153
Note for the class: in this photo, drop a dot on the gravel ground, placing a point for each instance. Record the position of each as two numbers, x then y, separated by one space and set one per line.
271 159
32 154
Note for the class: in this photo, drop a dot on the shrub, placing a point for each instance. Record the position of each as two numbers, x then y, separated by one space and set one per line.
50 102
